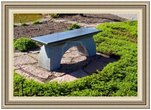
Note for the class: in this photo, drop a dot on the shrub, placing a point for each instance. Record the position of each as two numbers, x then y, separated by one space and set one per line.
73 26
118 30
24 44
18 84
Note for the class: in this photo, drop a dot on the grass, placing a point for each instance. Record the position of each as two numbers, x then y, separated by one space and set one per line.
116 79
23 18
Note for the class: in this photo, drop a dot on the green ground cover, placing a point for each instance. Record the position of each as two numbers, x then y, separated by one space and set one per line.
24 44
23 18
116 79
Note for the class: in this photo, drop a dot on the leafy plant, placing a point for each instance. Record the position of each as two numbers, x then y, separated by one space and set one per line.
24 44
73 26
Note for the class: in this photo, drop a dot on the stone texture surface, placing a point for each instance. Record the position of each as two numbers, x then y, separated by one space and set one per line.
24 59
73 66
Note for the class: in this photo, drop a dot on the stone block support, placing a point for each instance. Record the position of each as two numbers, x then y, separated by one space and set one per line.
50 55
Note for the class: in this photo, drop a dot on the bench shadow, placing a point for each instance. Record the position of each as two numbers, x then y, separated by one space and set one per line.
88 66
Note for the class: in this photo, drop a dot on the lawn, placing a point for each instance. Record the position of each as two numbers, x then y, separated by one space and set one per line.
116 79
23 18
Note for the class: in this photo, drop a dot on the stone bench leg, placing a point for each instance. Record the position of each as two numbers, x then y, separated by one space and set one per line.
89 45
49 57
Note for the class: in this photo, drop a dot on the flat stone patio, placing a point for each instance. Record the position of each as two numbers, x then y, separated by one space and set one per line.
73 66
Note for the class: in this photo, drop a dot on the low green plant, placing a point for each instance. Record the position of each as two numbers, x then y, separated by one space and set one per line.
24 44
118 30
54 15
73 26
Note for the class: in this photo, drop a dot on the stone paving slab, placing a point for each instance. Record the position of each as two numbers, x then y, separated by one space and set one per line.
28 76
23 60
36 71
65 78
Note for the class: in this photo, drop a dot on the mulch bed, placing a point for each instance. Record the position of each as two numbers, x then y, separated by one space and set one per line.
47 27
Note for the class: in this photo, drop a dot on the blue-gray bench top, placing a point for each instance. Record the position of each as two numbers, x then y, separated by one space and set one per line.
63 36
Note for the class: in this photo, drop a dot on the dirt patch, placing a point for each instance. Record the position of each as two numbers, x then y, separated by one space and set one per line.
46 27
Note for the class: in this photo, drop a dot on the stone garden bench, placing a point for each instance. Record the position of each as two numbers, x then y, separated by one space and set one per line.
55 45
